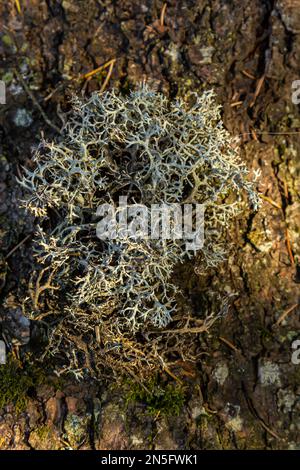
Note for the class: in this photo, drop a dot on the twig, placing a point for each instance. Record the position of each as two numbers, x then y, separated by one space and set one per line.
17 246
289 248
97 333
138 381
248 74
270 201
236 103
170 373
229 344
253 133
98 69
273 433
18 6
107 76
269 133
195 330
87 76
162 15
35 102
257 89
59 87
286 313
44 315
260 420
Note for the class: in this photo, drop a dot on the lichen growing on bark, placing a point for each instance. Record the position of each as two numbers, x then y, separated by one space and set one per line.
151 151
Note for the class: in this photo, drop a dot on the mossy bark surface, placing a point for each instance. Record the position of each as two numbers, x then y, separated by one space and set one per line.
244 392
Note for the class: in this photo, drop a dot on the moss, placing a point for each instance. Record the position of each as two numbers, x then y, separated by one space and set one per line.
8 77
43 432
45 437
165 399
16 379
6 39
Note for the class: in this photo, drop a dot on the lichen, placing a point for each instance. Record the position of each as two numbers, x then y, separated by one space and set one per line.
151 151
269 373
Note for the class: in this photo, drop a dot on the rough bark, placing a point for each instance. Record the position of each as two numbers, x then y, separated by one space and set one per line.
245 392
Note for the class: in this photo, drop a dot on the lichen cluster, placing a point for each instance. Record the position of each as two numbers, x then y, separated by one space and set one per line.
103 293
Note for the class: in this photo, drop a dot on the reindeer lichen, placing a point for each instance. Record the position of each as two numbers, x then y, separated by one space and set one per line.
151 151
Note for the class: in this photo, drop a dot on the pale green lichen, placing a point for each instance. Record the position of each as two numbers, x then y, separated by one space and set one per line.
152 151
